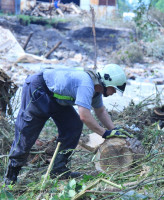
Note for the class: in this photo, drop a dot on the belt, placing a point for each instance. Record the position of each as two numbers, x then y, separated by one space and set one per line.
56 96
43 84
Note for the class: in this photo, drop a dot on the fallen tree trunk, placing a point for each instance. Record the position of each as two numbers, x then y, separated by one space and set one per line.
114 153
117 154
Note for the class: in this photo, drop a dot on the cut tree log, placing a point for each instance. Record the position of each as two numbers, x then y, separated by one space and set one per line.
117 154
75 8
59 11
114 153
44 9
91 142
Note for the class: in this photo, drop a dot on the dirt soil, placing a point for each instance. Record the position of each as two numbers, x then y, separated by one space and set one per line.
77 47
75 36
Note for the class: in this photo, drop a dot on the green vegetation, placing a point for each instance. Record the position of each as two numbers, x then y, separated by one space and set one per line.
155 48
147 38
145 176
160 5
128 54
52 22
123 6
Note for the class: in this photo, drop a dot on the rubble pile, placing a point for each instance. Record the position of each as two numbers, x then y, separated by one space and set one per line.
48 10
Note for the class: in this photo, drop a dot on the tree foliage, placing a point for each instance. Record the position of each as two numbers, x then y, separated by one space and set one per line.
160 5
123 6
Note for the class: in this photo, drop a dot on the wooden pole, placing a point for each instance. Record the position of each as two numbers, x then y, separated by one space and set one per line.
106 8
27 41
94 36
51 163
55 47
93 184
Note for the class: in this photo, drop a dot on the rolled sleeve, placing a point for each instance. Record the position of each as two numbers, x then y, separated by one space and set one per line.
84 97
97 102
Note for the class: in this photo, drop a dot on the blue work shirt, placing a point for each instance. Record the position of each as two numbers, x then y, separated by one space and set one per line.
74 83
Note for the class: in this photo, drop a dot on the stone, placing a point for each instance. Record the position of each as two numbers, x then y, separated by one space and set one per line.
10 49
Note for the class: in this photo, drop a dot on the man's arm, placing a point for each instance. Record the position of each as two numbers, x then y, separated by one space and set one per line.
87 118
104 117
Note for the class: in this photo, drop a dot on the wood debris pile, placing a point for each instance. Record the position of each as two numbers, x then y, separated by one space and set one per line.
7 90
42 151
48 10
6 135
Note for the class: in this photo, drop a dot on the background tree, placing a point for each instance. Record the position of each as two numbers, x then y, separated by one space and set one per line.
124 6
160 5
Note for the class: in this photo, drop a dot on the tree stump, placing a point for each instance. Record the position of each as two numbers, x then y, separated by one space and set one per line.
117 154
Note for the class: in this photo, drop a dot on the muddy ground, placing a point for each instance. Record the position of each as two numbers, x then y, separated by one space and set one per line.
77 47
76 37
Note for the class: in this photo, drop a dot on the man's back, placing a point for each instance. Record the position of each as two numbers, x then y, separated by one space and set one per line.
70 82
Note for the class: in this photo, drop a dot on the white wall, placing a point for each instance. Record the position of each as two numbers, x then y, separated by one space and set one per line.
104 11
101 11
85 4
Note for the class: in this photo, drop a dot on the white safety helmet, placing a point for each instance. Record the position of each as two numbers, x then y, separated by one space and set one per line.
112 75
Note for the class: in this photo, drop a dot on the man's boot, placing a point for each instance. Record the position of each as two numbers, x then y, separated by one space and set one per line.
11 175
60 168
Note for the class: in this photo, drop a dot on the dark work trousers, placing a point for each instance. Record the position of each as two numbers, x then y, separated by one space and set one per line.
37 106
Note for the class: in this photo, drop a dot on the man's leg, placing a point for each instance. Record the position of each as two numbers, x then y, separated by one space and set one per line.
28 126
69 128
26 134
27 130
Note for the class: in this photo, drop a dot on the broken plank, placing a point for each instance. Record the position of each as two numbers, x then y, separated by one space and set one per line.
53 49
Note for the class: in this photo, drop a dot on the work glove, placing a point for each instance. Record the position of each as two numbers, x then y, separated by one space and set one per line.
117 132
125 132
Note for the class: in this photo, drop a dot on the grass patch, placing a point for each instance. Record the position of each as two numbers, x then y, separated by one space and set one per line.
52 22
155 48
145 176
128 54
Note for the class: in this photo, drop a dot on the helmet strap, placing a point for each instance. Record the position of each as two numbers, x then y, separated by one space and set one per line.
105 91
104 88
